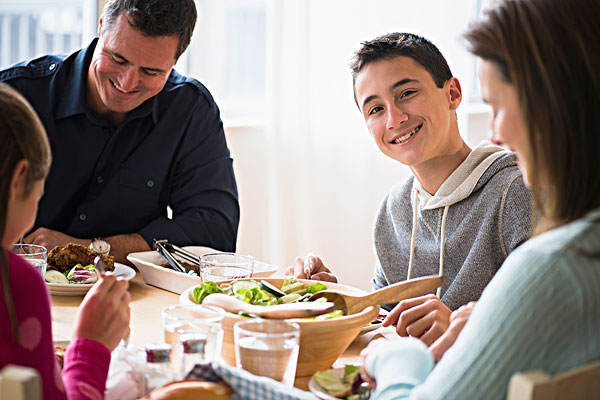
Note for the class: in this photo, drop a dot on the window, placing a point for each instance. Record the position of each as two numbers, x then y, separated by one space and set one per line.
32 28
227 54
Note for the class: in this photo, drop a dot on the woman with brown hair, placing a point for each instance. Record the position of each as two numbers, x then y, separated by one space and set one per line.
538 67
25 322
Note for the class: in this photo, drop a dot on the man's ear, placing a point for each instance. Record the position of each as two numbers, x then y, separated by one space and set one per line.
100 24
454 92
16 187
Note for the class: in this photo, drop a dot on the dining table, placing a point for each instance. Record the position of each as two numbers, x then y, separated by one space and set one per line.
146 324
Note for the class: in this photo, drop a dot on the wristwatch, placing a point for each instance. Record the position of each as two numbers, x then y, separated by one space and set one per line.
100 246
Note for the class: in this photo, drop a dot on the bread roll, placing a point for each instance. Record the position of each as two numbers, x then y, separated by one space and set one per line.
191 390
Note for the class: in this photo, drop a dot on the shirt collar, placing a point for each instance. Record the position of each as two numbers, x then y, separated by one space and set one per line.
74 99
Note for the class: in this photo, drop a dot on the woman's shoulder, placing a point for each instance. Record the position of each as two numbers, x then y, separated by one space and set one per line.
569 253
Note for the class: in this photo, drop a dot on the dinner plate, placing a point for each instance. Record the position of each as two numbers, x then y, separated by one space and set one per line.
318 390
73 289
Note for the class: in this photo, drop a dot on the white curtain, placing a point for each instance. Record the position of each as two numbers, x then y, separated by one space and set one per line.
324 178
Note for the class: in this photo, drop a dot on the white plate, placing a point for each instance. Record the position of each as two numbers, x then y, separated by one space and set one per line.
318 390
72 289
148 263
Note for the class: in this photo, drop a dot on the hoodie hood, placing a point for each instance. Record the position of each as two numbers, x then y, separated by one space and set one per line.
465 179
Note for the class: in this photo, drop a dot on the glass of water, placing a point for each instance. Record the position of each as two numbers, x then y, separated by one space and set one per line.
197 326
268 348
216 267
36 255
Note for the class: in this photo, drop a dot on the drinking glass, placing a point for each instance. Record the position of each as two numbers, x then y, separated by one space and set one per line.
216 267
202 323
35 254
268 348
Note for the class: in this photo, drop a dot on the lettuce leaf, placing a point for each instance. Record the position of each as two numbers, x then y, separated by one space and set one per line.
206 288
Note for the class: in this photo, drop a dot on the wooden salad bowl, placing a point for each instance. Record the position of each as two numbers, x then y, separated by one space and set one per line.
321 342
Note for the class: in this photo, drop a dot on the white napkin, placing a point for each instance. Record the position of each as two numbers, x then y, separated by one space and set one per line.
126 378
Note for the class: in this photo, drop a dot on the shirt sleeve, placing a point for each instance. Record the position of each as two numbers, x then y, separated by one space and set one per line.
510 331
396 379
85 369
203 193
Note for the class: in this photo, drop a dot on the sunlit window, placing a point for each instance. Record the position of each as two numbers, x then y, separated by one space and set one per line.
32 28
227 54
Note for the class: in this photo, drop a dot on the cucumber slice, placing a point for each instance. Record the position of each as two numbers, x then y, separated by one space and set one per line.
54 276
289 298
266 286
237 285
297 287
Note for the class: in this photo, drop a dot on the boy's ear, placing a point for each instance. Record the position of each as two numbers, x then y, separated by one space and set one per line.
454 92
16 187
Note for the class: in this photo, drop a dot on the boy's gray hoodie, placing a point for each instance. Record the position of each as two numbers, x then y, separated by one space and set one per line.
465 230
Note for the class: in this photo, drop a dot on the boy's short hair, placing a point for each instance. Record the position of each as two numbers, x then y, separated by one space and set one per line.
397 44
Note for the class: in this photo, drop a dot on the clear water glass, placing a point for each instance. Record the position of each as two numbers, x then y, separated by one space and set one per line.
181 321
35 254
217 267
268 348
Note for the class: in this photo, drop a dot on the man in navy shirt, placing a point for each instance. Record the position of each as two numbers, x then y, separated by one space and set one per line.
130 136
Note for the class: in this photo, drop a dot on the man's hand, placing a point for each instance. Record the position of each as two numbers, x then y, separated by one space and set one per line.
425 317
50 239
458 319
104 313
120 245
310 267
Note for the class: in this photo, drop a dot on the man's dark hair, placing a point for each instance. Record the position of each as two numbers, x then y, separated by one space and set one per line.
410 45
155 18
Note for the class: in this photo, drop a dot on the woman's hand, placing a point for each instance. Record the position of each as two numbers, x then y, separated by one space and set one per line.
104 313
425 317
458 319
310 267
363 360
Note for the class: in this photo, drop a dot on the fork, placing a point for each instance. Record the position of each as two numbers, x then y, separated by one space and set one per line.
100 271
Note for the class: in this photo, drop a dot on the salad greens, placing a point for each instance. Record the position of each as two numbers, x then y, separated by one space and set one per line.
345 386
79 275
257 293
206 288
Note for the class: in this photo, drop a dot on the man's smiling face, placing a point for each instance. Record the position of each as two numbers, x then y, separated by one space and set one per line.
409 117
128 68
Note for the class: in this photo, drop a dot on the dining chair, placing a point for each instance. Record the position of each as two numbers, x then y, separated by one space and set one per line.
582 383
20 383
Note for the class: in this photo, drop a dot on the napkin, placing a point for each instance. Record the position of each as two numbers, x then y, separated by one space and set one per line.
246 385
126 378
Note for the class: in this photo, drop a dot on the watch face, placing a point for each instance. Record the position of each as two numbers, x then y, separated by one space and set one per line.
100 246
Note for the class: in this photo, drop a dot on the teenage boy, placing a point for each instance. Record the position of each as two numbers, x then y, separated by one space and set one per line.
462 212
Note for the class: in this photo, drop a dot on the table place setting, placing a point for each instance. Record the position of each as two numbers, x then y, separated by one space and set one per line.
213 338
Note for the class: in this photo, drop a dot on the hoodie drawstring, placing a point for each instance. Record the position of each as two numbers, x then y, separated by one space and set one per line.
414 234
442 242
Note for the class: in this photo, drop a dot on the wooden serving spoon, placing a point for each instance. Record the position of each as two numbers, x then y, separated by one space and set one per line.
390 294
279 311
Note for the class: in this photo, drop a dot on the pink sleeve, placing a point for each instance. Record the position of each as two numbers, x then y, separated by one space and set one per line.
32 306
85 369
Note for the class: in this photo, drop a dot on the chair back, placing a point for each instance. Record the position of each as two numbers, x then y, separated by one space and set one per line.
20 383
581 383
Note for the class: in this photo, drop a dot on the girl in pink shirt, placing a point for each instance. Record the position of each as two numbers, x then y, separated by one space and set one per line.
25 321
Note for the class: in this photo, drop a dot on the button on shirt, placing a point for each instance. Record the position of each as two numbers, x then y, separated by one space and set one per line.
107 180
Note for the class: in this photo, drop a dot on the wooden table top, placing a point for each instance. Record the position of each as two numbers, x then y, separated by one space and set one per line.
146 325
